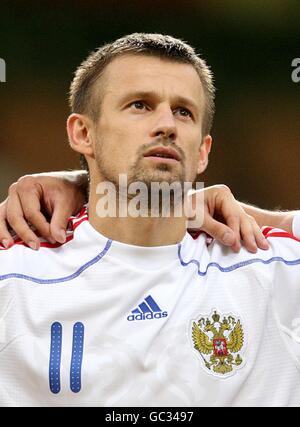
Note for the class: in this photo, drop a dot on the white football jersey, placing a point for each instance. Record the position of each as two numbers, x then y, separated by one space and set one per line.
96 322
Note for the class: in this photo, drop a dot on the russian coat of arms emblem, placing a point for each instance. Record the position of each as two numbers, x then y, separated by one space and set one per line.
219 341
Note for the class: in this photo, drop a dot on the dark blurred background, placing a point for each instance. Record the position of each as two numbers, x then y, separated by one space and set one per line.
250 46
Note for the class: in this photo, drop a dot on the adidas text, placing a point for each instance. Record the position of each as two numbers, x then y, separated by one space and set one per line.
147 316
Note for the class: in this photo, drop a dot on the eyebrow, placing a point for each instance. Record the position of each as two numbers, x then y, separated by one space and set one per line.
154 95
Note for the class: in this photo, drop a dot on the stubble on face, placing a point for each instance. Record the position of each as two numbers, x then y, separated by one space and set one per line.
143 171
139 170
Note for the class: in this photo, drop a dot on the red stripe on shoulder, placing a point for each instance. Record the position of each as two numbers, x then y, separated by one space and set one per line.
56 245
283 234
46 244
83 212
266 230
75 222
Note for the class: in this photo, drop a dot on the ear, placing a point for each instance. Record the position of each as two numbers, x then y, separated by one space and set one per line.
80 133
204 151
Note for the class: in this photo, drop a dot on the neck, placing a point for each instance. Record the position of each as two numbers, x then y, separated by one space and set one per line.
140 231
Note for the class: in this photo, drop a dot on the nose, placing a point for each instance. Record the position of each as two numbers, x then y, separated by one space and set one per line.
165 125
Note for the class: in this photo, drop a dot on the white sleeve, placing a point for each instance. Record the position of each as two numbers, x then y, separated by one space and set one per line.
286 285
296 225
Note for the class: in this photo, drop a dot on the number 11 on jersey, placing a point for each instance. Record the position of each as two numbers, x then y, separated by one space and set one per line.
76 357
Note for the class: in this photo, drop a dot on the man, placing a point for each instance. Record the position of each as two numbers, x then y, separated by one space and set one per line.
131 311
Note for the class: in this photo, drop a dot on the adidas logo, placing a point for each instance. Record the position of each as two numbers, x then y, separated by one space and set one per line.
147 310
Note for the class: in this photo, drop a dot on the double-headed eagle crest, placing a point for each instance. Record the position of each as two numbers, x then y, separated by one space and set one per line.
218 339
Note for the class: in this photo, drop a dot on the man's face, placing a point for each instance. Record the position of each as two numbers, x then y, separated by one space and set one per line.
150 103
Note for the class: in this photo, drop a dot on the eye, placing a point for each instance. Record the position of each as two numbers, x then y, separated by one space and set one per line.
138 105
184 112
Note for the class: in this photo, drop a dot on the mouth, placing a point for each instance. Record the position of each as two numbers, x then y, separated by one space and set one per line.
162 154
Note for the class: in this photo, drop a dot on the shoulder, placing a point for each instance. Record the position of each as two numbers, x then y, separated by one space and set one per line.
49 262
209 254
282 242
20 246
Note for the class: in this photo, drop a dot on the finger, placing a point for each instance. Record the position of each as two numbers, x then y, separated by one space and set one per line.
253 236
248 234
5 237
233 222
261 241
231 213
17 222
32 210
219 231
59 220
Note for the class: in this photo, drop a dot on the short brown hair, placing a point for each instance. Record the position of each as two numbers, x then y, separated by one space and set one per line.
82 99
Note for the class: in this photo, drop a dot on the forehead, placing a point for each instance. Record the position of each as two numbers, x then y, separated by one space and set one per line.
147 73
